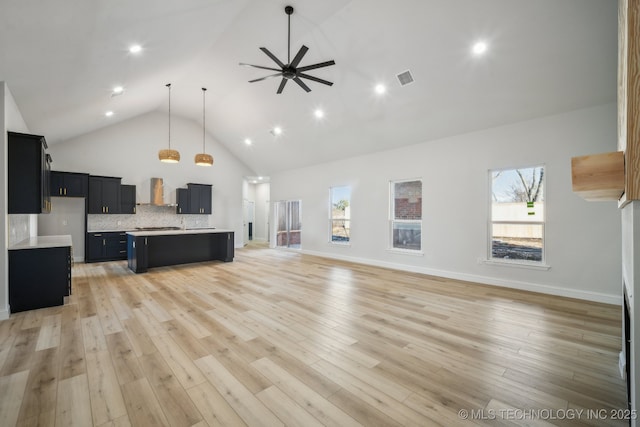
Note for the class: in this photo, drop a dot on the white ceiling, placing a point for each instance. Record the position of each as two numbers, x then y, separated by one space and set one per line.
61 60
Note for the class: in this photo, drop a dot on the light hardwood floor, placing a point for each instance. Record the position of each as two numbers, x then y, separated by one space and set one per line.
280 338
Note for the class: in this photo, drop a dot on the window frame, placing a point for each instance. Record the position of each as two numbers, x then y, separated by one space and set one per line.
542 264
393 221
332 218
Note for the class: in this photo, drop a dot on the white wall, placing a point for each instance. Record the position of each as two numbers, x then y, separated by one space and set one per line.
130 150
14 227
582 239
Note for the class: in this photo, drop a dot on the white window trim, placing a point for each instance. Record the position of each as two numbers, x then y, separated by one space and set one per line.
534 265
392 220
331 218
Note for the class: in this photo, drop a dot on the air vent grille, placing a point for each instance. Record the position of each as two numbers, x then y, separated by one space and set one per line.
405 78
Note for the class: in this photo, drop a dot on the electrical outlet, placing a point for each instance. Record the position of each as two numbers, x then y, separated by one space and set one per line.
119 222
65 222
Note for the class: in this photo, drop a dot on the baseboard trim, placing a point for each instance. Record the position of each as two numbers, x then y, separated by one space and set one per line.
4 314
556 290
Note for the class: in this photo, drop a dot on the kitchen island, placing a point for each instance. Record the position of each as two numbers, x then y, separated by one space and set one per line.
148 249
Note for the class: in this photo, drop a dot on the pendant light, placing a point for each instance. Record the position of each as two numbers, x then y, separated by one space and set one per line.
203 159
168 155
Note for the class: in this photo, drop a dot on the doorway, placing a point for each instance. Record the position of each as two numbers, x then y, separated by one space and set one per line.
248 220
289 217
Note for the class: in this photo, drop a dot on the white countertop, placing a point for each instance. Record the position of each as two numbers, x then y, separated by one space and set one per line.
43 242
172 232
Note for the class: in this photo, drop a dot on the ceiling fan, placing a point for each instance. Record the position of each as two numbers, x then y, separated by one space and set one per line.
290 70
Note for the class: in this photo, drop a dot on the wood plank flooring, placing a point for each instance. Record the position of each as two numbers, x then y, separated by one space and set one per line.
279 338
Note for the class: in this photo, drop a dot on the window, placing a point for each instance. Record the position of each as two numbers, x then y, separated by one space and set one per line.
340 215
517 215
406 215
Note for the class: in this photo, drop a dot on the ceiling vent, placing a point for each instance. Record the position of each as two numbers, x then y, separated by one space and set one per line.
405 78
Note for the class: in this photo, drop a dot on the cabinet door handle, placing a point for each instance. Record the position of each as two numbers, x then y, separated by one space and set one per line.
107 209
60 191
97 235
145 241
65 191
104 242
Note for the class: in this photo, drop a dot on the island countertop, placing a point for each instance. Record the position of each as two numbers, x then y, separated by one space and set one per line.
145 233
39 242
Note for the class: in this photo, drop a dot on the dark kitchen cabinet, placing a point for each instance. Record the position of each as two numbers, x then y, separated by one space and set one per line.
195 199
127 199
104 195
28 172
39 277
69 184
199 198
182 199
106 246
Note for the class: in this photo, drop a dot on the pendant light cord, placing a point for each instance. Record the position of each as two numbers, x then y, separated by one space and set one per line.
169 86
204 90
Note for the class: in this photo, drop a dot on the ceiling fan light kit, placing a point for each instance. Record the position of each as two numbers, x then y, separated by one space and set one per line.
291 70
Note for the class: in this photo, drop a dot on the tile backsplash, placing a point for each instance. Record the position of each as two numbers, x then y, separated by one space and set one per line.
147 216
19 228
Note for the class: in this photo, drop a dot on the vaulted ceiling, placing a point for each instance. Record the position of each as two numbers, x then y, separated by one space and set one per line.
61 60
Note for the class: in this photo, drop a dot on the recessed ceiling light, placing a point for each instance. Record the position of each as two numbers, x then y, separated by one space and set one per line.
277 130
118 90
479 48
136 48
109 113
247 141
318 113
259 178
380 89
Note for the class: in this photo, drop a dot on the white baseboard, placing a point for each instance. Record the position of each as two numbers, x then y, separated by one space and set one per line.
4 314
562 291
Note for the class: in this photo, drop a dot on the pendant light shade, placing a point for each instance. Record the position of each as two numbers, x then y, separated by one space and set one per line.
203 159
168 155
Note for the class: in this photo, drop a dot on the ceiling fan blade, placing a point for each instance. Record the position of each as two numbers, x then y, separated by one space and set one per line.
259 66
314 66
303 50
301 83
264 78
272 56
281 87
315 79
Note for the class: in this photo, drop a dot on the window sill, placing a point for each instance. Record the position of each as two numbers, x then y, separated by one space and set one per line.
516 264
405 252
342 244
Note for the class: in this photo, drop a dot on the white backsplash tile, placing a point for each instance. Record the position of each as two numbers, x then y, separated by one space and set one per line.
147 216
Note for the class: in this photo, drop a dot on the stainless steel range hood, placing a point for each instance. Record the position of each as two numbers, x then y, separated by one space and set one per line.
156 193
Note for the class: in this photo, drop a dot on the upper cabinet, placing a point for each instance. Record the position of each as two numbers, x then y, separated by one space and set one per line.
69 184
195 199
29 167
104 195
127 199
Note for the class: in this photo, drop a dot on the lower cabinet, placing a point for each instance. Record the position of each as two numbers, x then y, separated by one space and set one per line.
106 246
39 277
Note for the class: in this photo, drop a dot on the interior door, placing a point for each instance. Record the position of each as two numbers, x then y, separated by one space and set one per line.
289 217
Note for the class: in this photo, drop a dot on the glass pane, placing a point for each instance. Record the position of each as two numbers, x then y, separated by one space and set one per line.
340 230
517 195
341 202
407 200
282 236
407 235
517 242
